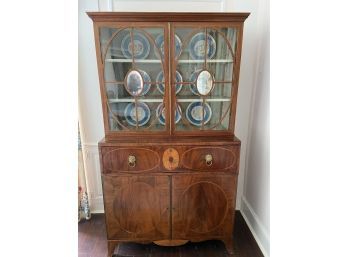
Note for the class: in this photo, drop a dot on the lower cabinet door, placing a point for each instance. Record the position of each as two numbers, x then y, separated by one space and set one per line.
137 207
203 206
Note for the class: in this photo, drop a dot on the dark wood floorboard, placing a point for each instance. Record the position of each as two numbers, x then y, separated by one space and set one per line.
92 243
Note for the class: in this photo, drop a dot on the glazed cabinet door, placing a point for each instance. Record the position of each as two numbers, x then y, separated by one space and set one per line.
133 73
137 207
206 67
203 206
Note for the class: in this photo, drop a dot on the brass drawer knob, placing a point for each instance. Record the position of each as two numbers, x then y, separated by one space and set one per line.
209 159
131 161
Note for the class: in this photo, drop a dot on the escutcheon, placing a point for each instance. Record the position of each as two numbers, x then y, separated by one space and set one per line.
170 159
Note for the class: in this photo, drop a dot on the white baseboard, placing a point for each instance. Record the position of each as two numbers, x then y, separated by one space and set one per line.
93 177
256 227
97 205
97 211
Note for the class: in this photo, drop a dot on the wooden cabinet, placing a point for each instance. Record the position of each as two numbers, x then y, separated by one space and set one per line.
202 206
222 158
137 207
116 160
169 159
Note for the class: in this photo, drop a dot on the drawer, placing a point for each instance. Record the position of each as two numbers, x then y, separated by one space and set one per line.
211 158
129 159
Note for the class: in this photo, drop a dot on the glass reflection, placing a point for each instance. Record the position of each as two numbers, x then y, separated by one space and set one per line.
134 83
204 82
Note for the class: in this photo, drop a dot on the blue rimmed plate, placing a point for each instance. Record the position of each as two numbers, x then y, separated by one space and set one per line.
192 79
178 78
160 112
141 46
197 46
194 113
159 41
144 114
147 86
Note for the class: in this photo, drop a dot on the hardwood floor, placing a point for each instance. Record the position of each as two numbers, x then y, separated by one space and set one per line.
92 243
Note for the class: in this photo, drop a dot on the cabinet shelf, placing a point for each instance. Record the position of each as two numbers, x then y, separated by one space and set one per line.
137 60
132 100
180 100
189 100
159 100
159 61
208 61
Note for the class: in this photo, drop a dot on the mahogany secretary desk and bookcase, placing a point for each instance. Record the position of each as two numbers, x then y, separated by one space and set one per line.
169 159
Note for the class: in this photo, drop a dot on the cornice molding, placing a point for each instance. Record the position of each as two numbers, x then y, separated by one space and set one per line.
167 16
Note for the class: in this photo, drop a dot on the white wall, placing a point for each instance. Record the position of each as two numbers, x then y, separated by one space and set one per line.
252 56
254 133
90 109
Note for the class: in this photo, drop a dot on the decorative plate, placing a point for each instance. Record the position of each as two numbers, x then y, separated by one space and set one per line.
192 79
194 113
178 78
146 78
143 114
160 44
160 112
141 46
197 46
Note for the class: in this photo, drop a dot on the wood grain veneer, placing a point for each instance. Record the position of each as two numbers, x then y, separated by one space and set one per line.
169 186
167 17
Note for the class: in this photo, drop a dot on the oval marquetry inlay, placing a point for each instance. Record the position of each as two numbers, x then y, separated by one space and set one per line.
117 160
204 206
132 205
170 159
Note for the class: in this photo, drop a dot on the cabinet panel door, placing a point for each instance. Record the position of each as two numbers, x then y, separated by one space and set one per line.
136 207
203 206
134 77
208 66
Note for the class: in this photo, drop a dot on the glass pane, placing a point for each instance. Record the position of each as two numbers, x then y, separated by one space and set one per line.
105 35
204 82
134 80
206 66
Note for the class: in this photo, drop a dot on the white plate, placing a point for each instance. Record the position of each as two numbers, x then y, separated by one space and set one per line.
178 78
159 41
147 86
144 114
160 112
194 113
141 46
193 78
197 46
